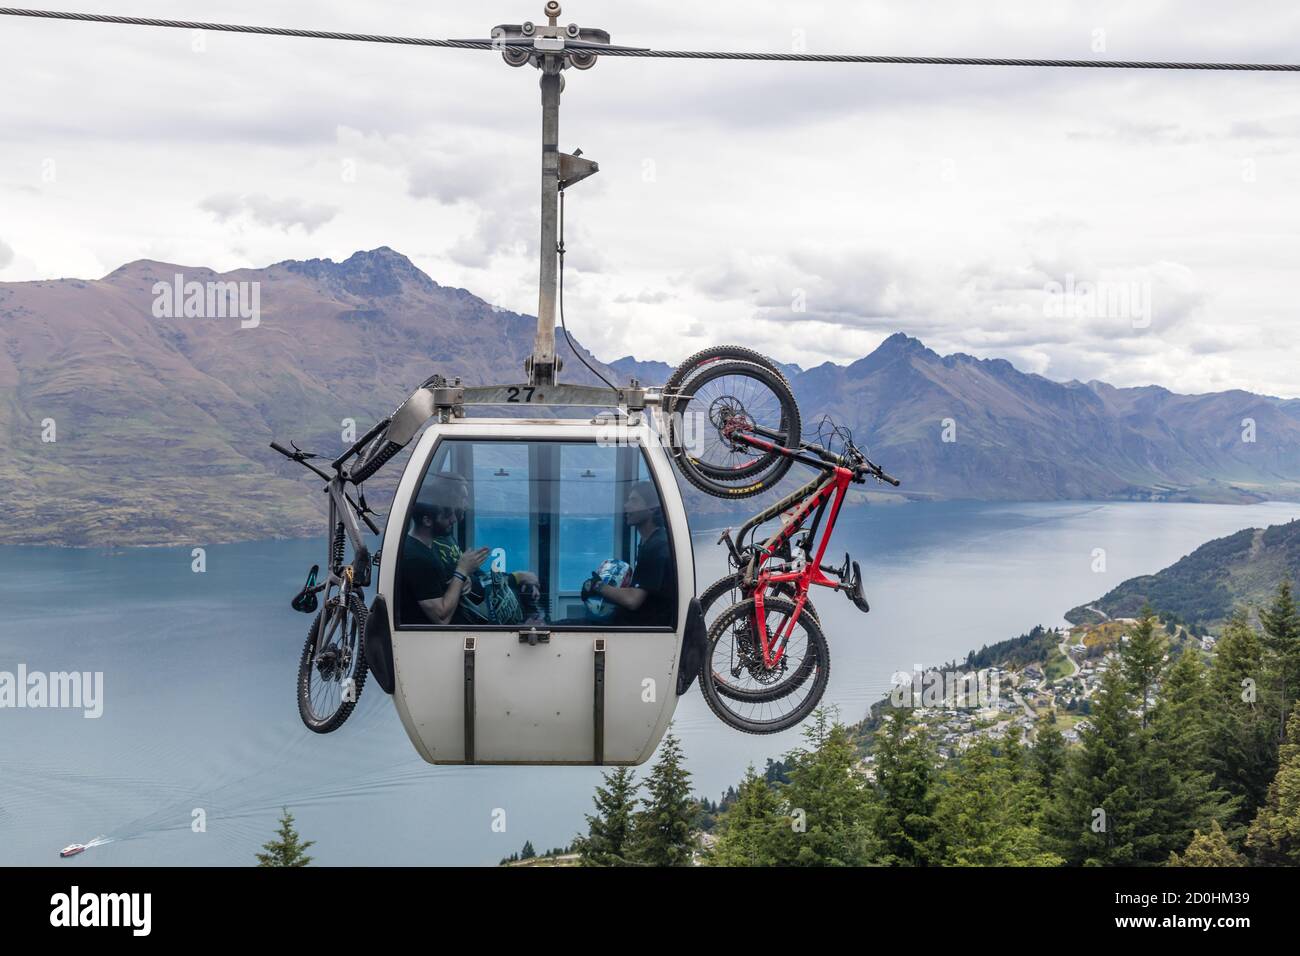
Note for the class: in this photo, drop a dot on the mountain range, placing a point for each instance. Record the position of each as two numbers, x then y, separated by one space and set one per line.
126 427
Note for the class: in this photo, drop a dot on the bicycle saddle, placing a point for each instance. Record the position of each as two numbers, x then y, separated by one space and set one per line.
305 601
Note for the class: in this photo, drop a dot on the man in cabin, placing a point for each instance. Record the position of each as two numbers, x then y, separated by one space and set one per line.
438 579
434 572
650 599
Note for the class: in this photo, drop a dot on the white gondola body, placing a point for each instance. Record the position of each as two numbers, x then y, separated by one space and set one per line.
538 703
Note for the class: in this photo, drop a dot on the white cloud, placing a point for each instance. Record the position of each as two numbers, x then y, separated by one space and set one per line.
277 213
934 201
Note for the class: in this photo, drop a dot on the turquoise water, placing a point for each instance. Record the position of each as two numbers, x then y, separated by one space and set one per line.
199 710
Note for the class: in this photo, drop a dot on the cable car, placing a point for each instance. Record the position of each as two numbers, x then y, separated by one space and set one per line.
556 679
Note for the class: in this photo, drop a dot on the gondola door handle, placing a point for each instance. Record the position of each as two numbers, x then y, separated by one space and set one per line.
534 636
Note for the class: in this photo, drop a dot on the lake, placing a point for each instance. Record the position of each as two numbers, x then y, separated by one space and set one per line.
199 674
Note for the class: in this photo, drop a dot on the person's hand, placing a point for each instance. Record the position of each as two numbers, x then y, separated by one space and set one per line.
591 586
470 560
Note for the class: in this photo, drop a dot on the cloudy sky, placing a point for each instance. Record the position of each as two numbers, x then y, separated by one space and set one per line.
810 210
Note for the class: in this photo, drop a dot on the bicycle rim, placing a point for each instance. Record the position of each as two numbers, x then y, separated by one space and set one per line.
765 716
726 397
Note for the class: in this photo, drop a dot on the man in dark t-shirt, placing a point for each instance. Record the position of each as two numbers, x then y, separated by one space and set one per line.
434 571
650 599
436 579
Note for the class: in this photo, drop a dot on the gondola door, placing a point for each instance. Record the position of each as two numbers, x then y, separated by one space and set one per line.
534 684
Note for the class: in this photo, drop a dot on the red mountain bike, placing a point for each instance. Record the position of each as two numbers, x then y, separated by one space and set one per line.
768 661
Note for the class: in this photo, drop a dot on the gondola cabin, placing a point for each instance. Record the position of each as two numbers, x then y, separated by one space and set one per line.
530 665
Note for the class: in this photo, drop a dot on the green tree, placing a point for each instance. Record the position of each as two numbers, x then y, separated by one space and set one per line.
287 849
1275 833
1241 739
1281 622
747 831
1049 757
986 809
661 834
527 853
1141 657
830 804
1174 777
1096 814
1210 848
905 772
609 829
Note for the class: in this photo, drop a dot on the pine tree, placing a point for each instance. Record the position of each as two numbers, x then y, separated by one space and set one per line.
527 853
1141 659
1049 757
609 829
1281 622
905 771
662 830
1209 849
747 831
1024 772
1096 815
288 849
829 804
1275 833
1174 776
1242 741
986 809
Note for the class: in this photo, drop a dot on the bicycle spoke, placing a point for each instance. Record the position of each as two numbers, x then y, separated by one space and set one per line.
756 693
334 662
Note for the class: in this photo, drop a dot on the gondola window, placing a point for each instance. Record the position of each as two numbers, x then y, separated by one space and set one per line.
516 534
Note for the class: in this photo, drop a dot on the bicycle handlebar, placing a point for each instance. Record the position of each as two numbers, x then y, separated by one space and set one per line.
875 471
858 462
300 457
854 460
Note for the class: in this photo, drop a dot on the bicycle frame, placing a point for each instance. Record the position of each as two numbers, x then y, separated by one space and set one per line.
344 516
827 491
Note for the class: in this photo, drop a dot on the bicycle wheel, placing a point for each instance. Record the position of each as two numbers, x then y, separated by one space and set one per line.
726 397
734 657
332 672
728 591
717 353
681 382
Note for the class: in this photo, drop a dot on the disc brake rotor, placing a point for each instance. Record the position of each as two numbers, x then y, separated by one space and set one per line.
728 415
750 657
327 664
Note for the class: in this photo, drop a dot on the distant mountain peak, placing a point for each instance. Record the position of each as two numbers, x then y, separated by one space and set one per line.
901 342
899 347
373 273
154 267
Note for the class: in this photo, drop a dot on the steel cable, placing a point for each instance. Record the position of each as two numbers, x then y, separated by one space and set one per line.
600 50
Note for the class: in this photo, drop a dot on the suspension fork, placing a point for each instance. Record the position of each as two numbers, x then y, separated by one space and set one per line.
775 647
340 575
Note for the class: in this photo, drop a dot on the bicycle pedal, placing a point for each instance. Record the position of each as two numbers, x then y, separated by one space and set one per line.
855 592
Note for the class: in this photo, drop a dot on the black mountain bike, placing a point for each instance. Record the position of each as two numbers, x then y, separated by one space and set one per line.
332 668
